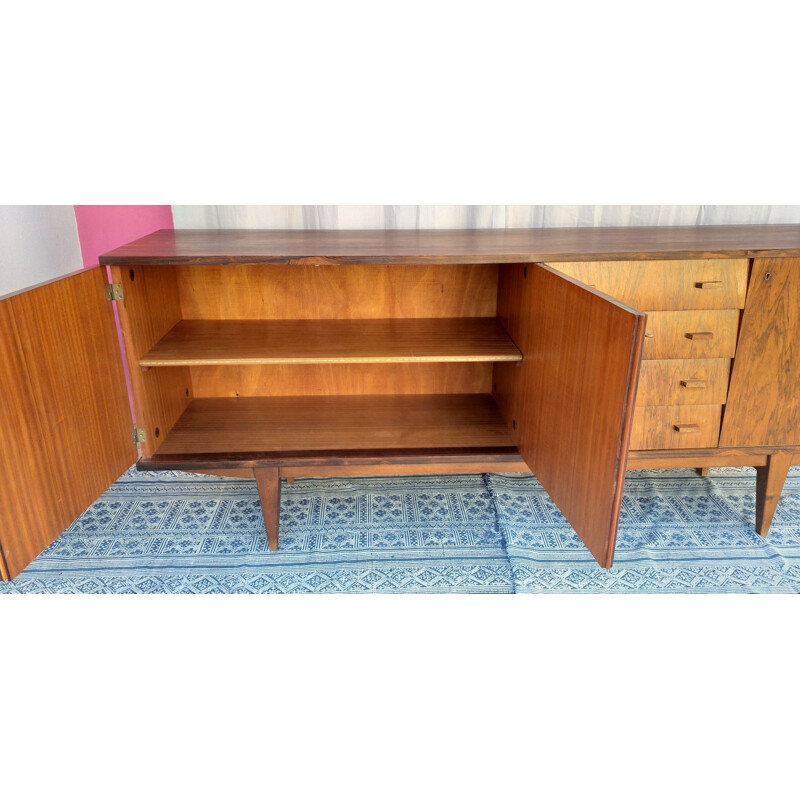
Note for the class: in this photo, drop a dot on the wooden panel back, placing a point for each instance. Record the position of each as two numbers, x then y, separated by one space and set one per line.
337 379
64 420
570 403
665 285
150 309
764 397
336 292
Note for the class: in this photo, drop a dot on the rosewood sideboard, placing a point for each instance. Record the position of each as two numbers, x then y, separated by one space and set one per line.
571 353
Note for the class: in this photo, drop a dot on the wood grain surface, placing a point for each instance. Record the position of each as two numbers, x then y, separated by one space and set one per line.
457 246
764 397
666 285
570 403
217 342
671 334
675 427
770 479
64 418
360 291
683 381
270 380
151 308
699 457
280 425
268 480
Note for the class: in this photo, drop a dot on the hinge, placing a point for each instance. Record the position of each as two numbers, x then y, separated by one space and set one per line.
114 292
138 435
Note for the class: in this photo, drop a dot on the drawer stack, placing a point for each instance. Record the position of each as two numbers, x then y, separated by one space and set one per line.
693 310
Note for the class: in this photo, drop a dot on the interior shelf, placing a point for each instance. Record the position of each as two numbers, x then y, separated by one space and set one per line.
219 342
263 428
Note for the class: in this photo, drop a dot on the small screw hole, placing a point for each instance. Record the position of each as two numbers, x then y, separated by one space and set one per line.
187 392
158 433
514 424
132 274
524 272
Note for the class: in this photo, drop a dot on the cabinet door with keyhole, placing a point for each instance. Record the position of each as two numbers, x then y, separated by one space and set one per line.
764 396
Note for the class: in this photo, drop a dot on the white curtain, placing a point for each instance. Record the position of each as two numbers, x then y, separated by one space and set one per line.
423 217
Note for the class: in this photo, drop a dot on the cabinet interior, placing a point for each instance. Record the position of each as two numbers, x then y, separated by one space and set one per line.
276 360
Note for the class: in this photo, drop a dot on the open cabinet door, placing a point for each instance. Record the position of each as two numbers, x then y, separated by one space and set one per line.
570 402
65 421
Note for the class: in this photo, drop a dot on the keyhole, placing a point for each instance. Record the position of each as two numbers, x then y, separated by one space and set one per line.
768 276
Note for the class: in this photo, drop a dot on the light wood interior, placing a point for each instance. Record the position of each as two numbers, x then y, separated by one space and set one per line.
270 380
232 342
312 332
151 308
350 291
277 426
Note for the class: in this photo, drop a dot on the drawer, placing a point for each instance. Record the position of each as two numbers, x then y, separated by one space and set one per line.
675 427
689 381
666 285
691 334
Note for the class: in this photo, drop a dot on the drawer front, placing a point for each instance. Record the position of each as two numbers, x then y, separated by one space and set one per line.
691 381
691 334
675 427
666 285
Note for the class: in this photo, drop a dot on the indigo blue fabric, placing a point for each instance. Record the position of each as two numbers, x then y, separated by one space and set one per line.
176 532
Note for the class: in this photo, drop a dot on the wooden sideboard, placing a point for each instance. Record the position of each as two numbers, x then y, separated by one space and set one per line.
572 353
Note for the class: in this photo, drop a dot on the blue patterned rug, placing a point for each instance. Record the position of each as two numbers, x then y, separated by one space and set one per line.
173 532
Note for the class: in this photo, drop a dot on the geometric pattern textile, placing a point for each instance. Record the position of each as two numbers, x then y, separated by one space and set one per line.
176 532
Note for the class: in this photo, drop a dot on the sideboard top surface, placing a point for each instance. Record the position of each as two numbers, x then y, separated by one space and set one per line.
456 246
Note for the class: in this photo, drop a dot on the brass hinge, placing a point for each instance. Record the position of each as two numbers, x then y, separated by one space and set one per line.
138 435
114 292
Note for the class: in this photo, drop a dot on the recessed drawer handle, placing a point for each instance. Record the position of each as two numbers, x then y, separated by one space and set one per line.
709 285
694 384
686 428
700 335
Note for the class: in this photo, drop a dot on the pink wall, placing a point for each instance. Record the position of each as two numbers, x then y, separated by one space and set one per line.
102 228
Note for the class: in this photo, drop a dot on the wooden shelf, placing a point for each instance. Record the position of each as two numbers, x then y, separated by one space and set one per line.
334 429
219 342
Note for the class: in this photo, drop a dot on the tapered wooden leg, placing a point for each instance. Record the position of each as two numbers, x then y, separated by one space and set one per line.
269 491
769 484
289 481
702 471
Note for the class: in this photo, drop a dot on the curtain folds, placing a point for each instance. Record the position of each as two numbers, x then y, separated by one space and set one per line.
425 217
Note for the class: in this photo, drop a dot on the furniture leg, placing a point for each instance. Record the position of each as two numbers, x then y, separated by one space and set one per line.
268 480
769 484
702 471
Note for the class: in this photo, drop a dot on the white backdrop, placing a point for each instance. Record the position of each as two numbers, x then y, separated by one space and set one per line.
37 243
377 217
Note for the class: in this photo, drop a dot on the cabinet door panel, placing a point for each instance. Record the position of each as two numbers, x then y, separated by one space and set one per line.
65 420
570 402
764 396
